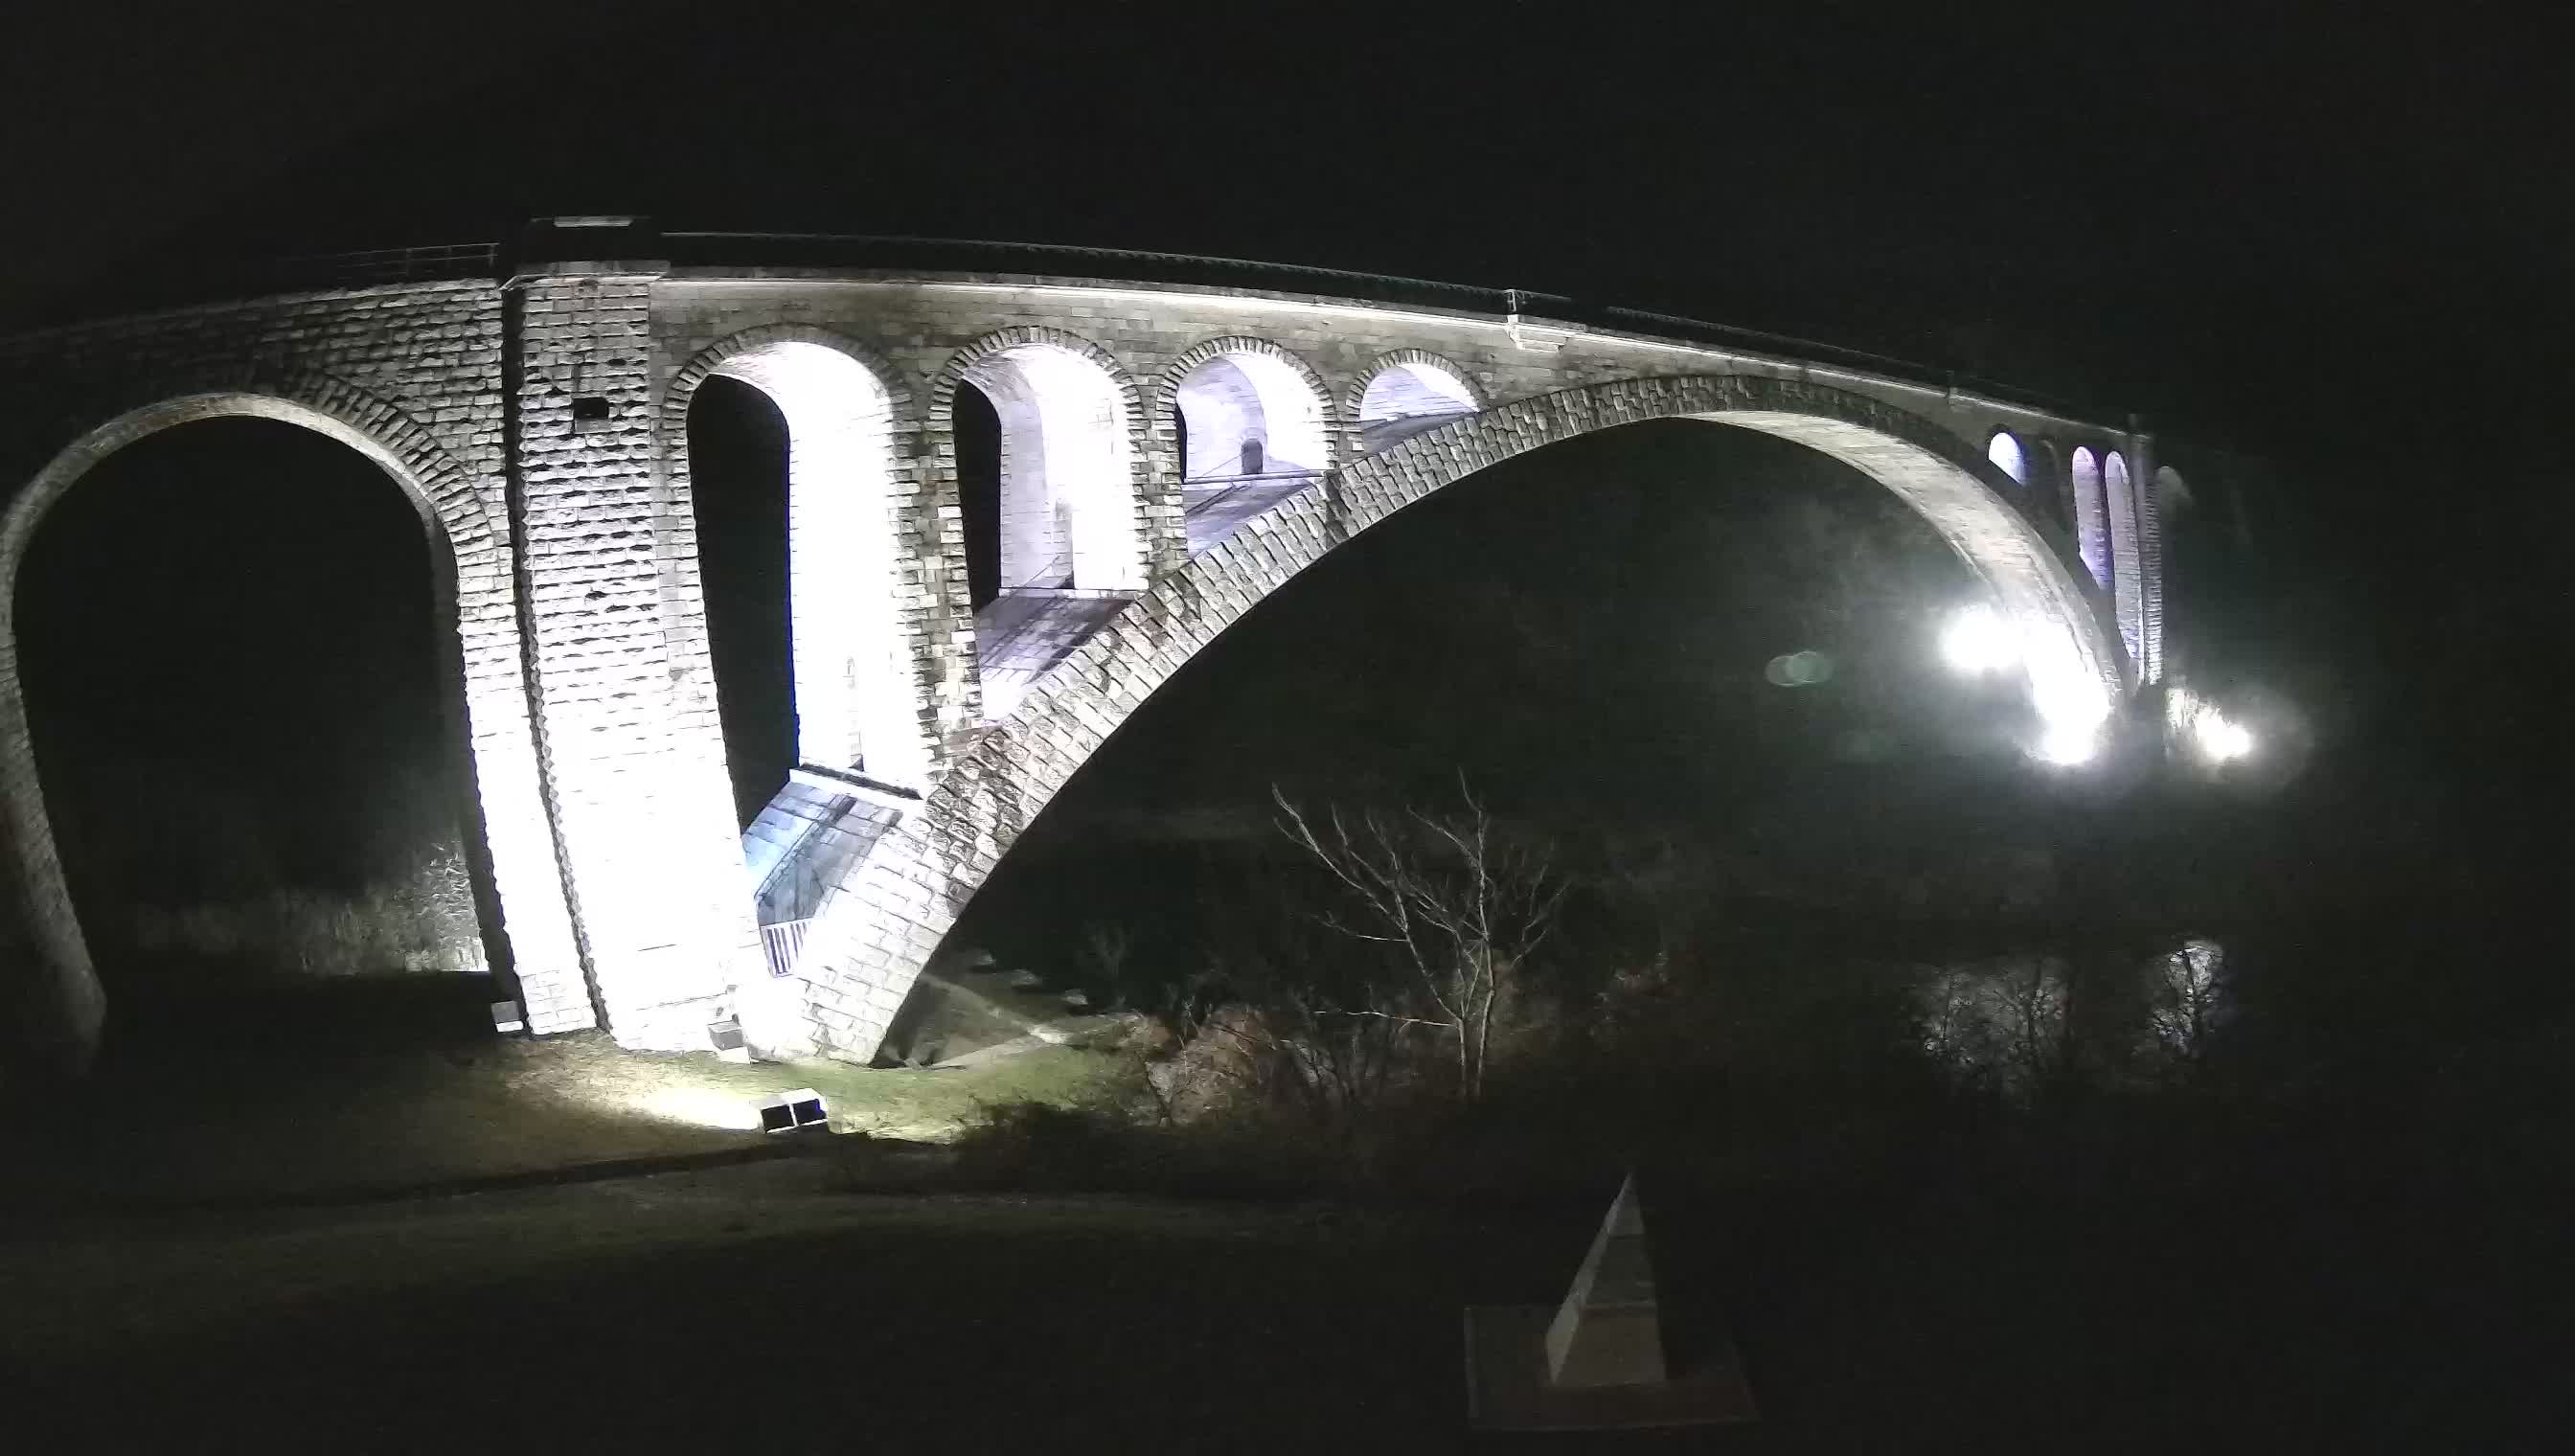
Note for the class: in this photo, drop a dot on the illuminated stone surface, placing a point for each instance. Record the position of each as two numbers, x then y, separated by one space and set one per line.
540 424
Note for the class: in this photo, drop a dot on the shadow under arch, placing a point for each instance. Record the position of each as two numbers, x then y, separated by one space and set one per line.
509 830
887 917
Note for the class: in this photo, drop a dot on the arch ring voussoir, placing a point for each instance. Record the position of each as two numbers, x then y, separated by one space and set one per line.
681 386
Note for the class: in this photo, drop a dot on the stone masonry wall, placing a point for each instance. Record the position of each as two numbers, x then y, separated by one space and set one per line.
409 374
917 327
621 665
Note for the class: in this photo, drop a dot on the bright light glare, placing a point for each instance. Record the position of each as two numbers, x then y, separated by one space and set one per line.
2222 741
2215 737
2068 743
1977 640
2071 710
702 1106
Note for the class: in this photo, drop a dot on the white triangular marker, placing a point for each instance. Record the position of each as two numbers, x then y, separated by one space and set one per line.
1610 1331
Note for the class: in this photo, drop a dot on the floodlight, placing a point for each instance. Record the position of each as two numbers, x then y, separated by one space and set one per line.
788 1111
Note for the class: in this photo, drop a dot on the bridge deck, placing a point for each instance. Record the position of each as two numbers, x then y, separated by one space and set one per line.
1217 507
1021 634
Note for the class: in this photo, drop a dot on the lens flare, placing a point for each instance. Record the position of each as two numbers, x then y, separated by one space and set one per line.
1800 670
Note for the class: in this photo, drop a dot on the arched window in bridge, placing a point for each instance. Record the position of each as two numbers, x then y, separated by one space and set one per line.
2127 572
1403 400
1251 432
738 465
1054 531
791 478
2091 518
1248 413
2005 453
1057 508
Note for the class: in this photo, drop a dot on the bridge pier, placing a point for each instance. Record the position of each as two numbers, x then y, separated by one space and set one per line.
632 748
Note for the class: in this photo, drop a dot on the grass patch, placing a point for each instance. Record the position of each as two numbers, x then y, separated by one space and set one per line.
357 1087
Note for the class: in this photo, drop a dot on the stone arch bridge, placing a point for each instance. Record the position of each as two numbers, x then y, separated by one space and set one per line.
1178 438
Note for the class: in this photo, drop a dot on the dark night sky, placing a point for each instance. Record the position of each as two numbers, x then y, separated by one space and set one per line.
2189 210
2335 238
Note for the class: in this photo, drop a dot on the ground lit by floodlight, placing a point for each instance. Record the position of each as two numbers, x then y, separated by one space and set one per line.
701 1106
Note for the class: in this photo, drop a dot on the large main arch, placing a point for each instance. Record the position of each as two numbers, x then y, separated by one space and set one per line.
477 602
880 924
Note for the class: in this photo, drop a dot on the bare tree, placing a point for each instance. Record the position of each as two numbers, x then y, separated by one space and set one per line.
1459 904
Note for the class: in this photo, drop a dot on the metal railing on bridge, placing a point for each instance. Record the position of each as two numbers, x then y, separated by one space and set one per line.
895 253
429 263
1532 308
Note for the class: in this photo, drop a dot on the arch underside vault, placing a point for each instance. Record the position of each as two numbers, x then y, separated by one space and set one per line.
888 905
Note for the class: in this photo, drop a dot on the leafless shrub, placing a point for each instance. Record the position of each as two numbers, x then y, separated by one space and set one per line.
1457 903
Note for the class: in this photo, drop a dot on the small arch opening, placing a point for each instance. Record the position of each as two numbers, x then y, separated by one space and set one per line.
1054 536
2091 516
1251 430
738 494
1404 400
1247 413
2120 508
790 451
1063 506
2005 452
